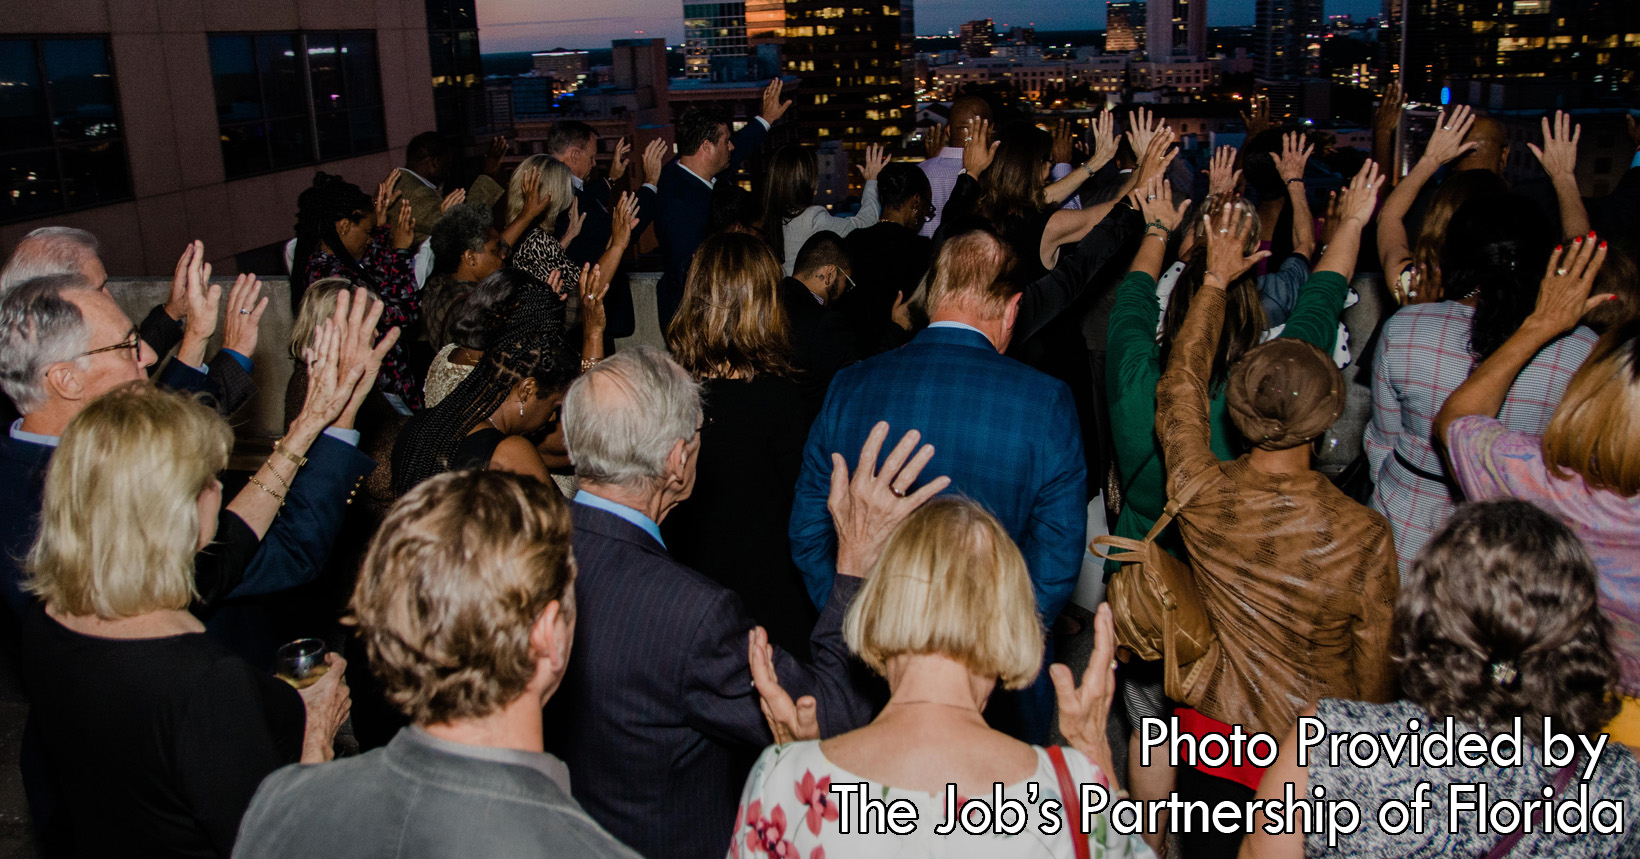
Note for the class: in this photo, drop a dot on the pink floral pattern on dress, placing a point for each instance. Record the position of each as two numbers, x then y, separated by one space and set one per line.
817 796
768 835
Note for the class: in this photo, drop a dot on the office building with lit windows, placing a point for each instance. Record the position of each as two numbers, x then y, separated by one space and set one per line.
1176 29
152 124
712 31
1520 54
854 59
1124 26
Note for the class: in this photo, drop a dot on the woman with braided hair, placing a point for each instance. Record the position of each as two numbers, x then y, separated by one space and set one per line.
342 232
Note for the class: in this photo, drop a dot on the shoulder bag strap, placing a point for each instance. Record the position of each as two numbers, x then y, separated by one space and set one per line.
1177 502
1508 842
1067 790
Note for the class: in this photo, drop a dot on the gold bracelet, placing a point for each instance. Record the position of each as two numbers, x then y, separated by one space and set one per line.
589 363
276 475
264 488
279 448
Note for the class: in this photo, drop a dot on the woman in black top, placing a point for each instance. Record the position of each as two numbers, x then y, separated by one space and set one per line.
731 332
155 736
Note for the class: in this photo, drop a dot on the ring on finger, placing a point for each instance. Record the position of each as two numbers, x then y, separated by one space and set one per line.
1560 272
898 492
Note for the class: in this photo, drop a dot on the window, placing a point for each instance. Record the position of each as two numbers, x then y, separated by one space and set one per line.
288 99
61 144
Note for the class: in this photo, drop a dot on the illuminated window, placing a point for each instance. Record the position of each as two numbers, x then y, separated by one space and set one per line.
62 145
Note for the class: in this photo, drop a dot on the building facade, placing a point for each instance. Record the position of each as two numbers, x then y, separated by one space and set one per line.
977 38
1175 29
151 125
856 68
712 31
1290 33
1124 26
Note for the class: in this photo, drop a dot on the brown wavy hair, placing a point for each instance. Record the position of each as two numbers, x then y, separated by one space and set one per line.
1595 431
1430 244
1506 585
731 323
788 189
455 578
1011 188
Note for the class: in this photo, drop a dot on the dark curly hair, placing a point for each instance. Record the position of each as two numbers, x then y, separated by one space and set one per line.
463 228
330 199
1506 586
480 317
1498 246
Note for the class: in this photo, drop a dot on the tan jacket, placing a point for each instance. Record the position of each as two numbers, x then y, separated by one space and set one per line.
425 201
1298 580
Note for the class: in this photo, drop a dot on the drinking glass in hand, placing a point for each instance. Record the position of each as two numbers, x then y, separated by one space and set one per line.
301 663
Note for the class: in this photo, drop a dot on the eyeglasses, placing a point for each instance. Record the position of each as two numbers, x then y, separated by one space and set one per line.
131 342
930 212
849 281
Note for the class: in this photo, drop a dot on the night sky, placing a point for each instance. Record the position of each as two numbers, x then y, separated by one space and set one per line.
524 25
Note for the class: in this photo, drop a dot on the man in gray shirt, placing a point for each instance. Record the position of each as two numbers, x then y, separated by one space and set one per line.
466 603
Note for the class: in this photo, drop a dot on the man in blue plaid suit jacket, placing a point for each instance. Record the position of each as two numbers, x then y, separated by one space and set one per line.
1006 434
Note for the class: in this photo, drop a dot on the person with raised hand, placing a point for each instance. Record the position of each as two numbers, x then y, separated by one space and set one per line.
1582 469
1295 154
1395 250
1558 155
790 215
1223 177
1282 640
1103 136
945 618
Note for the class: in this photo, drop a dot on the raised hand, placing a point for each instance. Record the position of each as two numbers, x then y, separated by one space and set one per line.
625 219
242 323
1142 128
977 147
1563 296
1559 151
1227 256
454 198
327 394
876 159
1222 175
573 227
1155 157
386 196
1155 204
1257 118
936 138
866 506
1105 142
773 107
404 227
1446 144
1356 203
593 317
555 282
361 350
493 155
654 157
535 202
1295 153
1331 220
1388 115
1064 143
176 304
1083 709
618 162
789 721
204 299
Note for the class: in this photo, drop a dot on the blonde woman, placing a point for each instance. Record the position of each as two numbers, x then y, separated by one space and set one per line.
946 615
540 191
732 335
156 736
1585 467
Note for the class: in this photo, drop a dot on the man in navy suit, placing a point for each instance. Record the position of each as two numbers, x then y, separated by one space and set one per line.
657 717
576 145
1006 434
681 199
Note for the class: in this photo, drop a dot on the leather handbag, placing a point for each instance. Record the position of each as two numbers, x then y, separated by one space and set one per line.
1156 606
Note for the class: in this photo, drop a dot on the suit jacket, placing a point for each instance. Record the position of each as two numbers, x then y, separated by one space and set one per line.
679 205
1005 434
823 340
657 717
425 201
416 799
227 382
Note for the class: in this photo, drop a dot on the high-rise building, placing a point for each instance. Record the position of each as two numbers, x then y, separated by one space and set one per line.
1290 34
1506 54
856 70
977 38
1175 28
1124 26
765 22
458 73
712 31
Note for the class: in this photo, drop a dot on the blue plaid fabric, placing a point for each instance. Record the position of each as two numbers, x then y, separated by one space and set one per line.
1006 435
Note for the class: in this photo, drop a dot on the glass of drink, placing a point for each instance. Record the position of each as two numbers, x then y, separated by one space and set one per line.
301 663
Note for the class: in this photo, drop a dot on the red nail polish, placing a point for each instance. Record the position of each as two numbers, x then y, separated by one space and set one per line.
1578 240
1559 248
1591 234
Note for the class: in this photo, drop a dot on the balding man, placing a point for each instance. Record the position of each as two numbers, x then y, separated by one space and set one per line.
942 169
1007 435
657 717
1491 152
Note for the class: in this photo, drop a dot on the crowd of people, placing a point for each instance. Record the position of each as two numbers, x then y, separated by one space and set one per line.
820 550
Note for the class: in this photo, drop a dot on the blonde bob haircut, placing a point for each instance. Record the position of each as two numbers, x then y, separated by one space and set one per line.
120 522
1595 431
452 584
950 581
555 186
318 304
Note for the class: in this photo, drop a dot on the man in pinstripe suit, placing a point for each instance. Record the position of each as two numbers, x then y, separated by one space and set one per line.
657 717
1007 435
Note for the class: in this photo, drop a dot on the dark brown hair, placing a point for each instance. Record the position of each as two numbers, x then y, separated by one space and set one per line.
1499 618
788 189
1011 188
731 322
